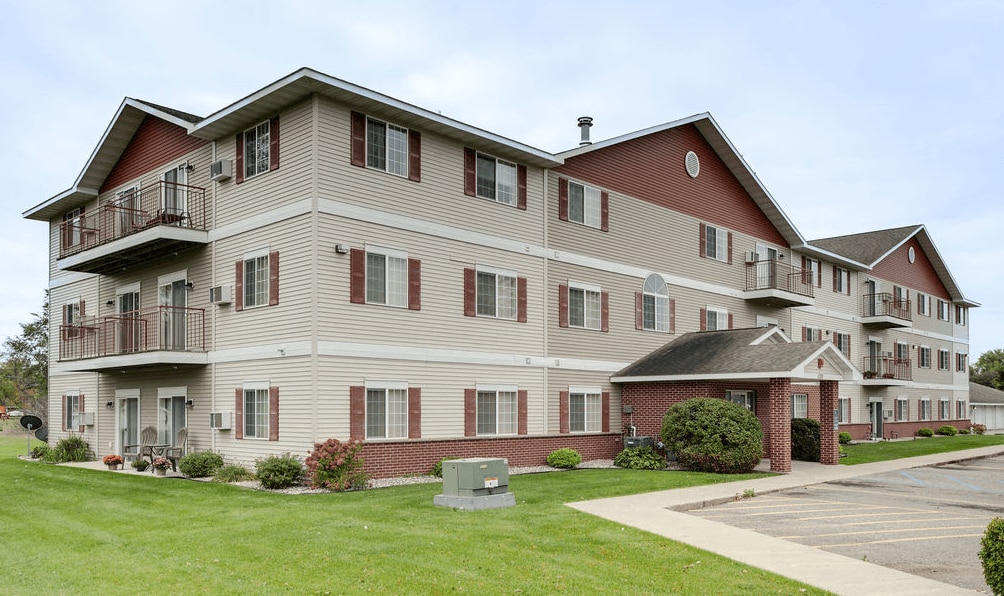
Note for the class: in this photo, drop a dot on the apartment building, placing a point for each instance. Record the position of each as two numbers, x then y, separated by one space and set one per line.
319 260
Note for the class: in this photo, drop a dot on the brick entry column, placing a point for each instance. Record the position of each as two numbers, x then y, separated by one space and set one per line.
829 448
779 438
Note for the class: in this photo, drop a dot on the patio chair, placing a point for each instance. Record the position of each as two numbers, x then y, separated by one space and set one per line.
147 438
180 448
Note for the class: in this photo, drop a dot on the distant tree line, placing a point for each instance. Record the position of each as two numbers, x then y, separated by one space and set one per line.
988 369
24 369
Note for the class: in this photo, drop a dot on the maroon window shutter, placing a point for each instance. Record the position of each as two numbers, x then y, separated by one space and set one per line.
239 413
704 319
849 344
804 333
239 287
273 278
563 412
562 199
522 401
240 157
64 413
562 305
730 320
273 144
357 276
80 410
273 413
805 272
819 276
82 310
604 211
414 284
414 156
834 278
730 247
470 412
639 308
414 412
470 172
470 292
605 397
521 300
703 240
521 187
358 140
604 311
672 315
357 412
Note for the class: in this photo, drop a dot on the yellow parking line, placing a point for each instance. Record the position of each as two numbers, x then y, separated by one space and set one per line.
864 515
797 537
925 497
893 540
902 521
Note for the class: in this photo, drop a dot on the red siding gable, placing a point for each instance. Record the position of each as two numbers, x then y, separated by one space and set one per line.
156 143
651 168
919 275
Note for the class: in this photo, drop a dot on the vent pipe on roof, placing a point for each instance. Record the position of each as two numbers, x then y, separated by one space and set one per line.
584 123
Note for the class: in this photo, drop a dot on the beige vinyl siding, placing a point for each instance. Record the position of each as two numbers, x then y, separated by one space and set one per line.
59 385
559 380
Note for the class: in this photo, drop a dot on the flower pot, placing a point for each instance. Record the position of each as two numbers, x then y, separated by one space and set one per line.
160 471
112 467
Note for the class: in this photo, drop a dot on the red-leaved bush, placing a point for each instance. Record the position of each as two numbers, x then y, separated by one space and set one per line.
336 466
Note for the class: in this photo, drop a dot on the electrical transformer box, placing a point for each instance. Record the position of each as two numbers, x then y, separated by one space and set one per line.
635 442
475 477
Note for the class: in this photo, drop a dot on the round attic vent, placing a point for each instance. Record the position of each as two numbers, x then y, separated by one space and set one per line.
911 255
693 164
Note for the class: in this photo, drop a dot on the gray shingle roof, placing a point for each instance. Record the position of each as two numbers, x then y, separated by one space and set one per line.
981 394
866 247
192 118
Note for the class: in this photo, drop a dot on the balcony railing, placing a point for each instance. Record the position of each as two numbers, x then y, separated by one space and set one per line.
162 328
884 367
772 274
163 204
885 304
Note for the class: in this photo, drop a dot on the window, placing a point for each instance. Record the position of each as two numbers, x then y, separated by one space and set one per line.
961 361
496 179
900 298
944 409
584 204
585 308
799 405
256 280
841 280
924 357
71 319
386 147
961 314
497 411
387 411
925 409
585 410
71 411
902 353
386 277
843 341
744 398
811 271
944 360
812 334
942 310
716 243
844 410
496 293
960 409
73 225
902 410
655 304
716 319
256 150
923 304
256 412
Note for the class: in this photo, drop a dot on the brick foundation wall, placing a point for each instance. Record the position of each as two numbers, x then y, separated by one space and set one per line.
859 432
902 430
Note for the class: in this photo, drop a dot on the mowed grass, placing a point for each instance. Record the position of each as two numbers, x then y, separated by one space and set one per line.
863 453
76 531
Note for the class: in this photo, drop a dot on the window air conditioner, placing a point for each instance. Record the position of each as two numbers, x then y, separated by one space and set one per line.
887 413
219 170
87 418
752 257
220 294
219 420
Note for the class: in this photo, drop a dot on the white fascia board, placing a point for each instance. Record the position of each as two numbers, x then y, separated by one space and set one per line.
728 377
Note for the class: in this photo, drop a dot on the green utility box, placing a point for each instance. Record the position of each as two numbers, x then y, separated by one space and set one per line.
475 477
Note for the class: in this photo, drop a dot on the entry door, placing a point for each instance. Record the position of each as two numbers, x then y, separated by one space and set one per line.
130 328
766 267
130 217
875 357
128 423
171 418
173 317
174 196
876 418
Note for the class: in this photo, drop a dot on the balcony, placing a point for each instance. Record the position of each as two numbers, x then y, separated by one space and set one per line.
159 336
883 370
776 284
158 221
883 310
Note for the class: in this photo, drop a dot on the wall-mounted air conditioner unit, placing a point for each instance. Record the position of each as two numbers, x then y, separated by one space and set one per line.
219 420
87 418
220 294
220 170
887 413
752 257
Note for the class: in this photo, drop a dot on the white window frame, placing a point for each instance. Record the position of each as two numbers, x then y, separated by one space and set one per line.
944 409
504 419
924 357
71 319
591 316
843 343
813 266
588 401
655 304
504 303
75 219
961 315
943 310
503 185
925 408
393 158
842 281
166 425
256 152
72 404
716 243
961 361
902 349
256 422
944 359
813 334
395 282
923 304
256 287
585 205
743 397
961 413
902 409
843 410
721 318
799 405
394 397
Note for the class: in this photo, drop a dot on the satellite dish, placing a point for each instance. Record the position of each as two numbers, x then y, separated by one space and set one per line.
30 422
42 434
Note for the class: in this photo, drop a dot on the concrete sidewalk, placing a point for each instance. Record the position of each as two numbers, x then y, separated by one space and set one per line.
662 513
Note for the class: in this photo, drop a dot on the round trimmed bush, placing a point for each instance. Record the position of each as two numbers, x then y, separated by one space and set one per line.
844 438
925 432
992 555
279 471
564 458
640 458
201 464
947 430
805 439
713 435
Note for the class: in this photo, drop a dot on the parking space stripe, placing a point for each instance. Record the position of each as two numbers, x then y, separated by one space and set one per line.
872 532
914 478
895 540
965 484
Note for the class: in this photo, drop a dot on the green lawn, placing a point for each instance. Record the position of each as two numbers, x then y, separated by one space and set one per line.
863 453
75 531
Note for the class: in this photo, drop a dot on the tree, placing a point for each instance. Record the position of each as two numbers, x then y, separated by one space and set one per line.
24 372
988 369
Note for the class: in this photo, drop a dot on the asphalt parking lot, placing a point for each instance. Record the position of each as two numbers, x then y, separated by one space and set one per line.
923 521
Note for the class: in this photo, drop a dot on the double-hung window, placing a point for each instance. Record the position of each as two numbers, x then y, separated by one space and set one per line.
256 148
716 319
72 411
386 277
584 205
843 341
925 409
813 333
256 279
844 410
961 361
942 310
386 147
496 179
71 319
256 411
585 306
902 409
386 410
655 304
799 405
812 271
716 243
496 293
924 357
497 410
944 409
585 405
961 314
902 353
960 409
923 304
944 360
841 280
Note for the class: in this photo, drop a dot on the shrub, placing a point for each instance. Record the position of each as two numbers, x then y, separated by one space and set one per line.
947 430
963 431
279 471
640 458
979 428
437 470
992 555
72 448
564 458
40 452
844 438
925 432
201 464
232 473
336 465
713 435
805 439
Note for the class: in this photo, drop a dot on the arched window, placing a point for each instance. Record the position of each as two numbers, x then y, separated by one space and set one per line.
655 304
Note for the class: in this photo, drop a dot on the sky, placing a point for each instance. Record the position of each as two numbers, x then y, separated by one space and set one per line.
856 115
